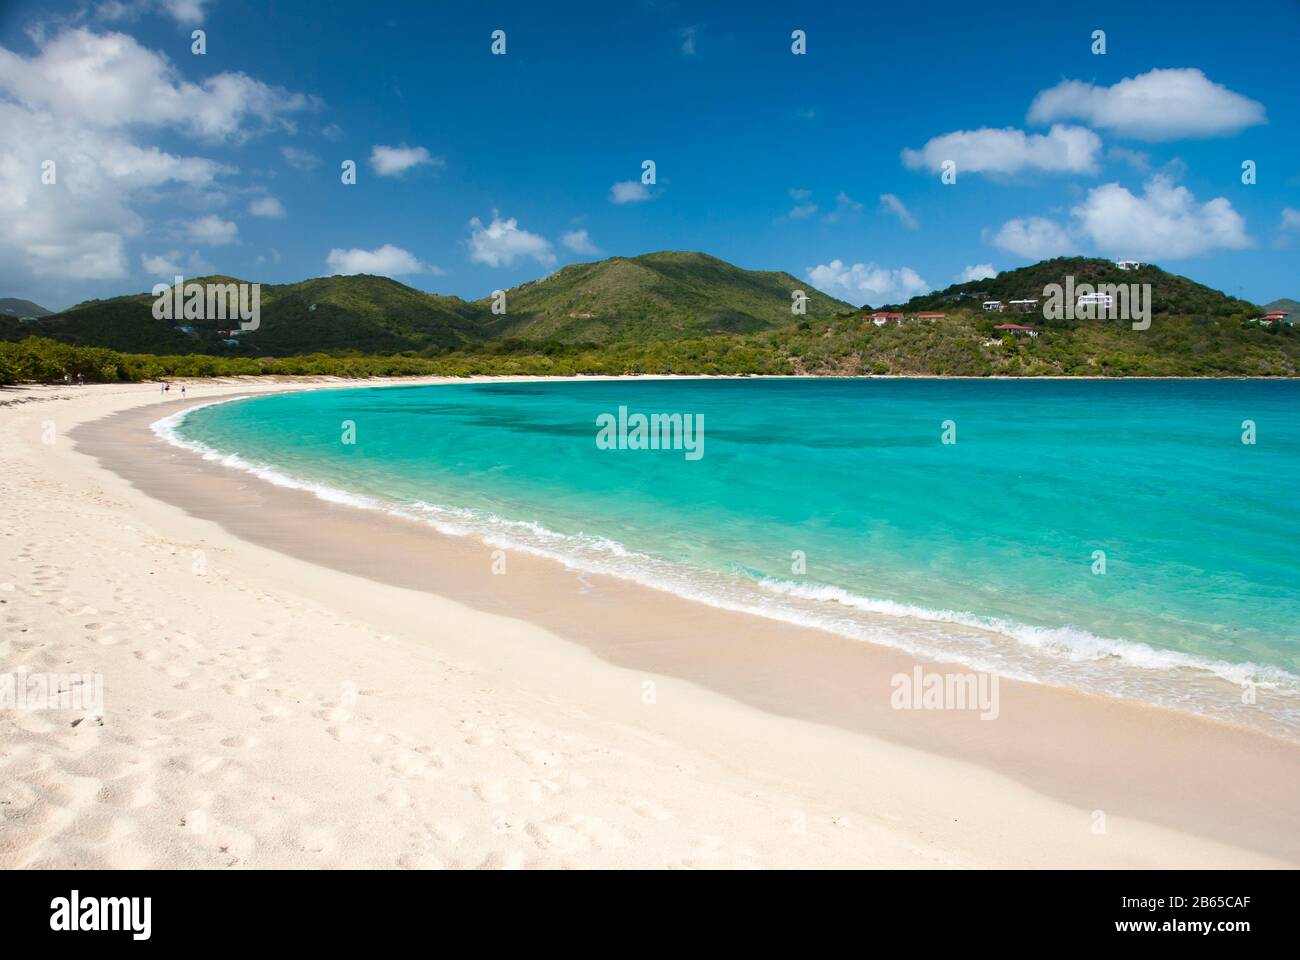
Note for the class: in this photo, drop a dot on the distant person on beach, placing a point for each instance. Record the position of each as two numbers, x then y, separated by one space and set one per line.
182 389
81 379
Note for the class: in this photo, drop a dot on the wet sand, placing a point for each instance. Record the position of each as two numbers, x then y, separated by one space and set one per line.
1135 764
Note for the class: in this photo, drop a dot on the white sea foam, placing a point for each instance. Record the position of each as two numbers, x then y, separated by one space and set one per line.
1065 655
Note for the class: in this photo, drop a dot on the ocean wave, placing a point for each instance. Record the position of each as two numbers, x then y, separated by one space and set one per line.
1071 642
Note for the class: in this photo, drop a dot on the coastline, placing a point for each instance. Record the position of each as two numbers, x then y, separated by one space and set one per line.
749 705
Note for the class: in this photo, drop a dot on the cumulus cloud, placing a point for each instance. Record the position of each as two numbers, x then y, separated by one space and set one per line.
394 161
867 282
212 231
1164 104
76 228
1290 219
502 241
629 191
266 207
162 265
980 271
1063 149
168 265
1166 222
109 81
85 102
579 242
1035 238
387 261
895 206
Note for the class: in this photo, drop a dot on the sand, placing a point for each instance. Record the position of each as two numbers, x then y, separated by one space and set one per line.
289 683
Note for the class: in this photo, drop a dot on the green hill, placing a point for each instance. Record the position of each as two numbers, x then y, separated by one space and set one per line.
1171 294
14 307
355 313
657 296
661 313
1195 331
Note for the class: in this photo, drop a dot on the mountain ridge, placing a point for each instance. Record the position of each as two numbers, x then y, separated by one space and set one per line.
658 296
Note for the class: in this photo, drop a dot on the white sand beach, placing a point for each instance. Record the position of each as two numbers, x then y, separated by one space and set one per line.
278 694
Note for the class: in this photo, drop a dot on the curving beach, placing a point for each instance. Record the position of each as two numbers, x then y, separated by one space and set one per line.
292 682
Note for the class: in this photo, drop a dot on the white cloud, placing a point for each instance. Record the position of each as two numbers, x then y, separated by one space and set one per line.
300 159
980 271
86 101
866 282
579 242
1165 223
168 265
186 12
266 207
501 241
212 231
1063 149
76 228
629 191
1290 219
393 161
1035 238
109 80
162 265
387 261
898 209
1158 105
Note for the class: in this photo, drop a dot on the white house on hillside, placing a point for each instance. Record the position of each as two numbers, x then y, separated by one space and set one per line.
1095 299
1128 264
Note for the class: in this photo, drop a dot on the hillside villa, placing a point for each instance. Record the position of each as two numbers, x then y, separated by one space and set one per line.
1105 300
1018 329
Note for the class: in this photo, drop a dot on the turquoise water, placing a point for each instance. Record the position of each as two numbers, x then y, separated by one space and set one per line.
982 550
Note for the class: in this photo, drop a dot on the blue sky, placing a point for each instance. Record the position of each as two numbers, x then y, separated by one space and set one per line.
477 172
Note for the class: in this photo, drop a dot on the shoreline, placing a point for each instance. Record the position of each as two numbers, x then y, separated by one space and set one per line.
783 650
746 706
1213 681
